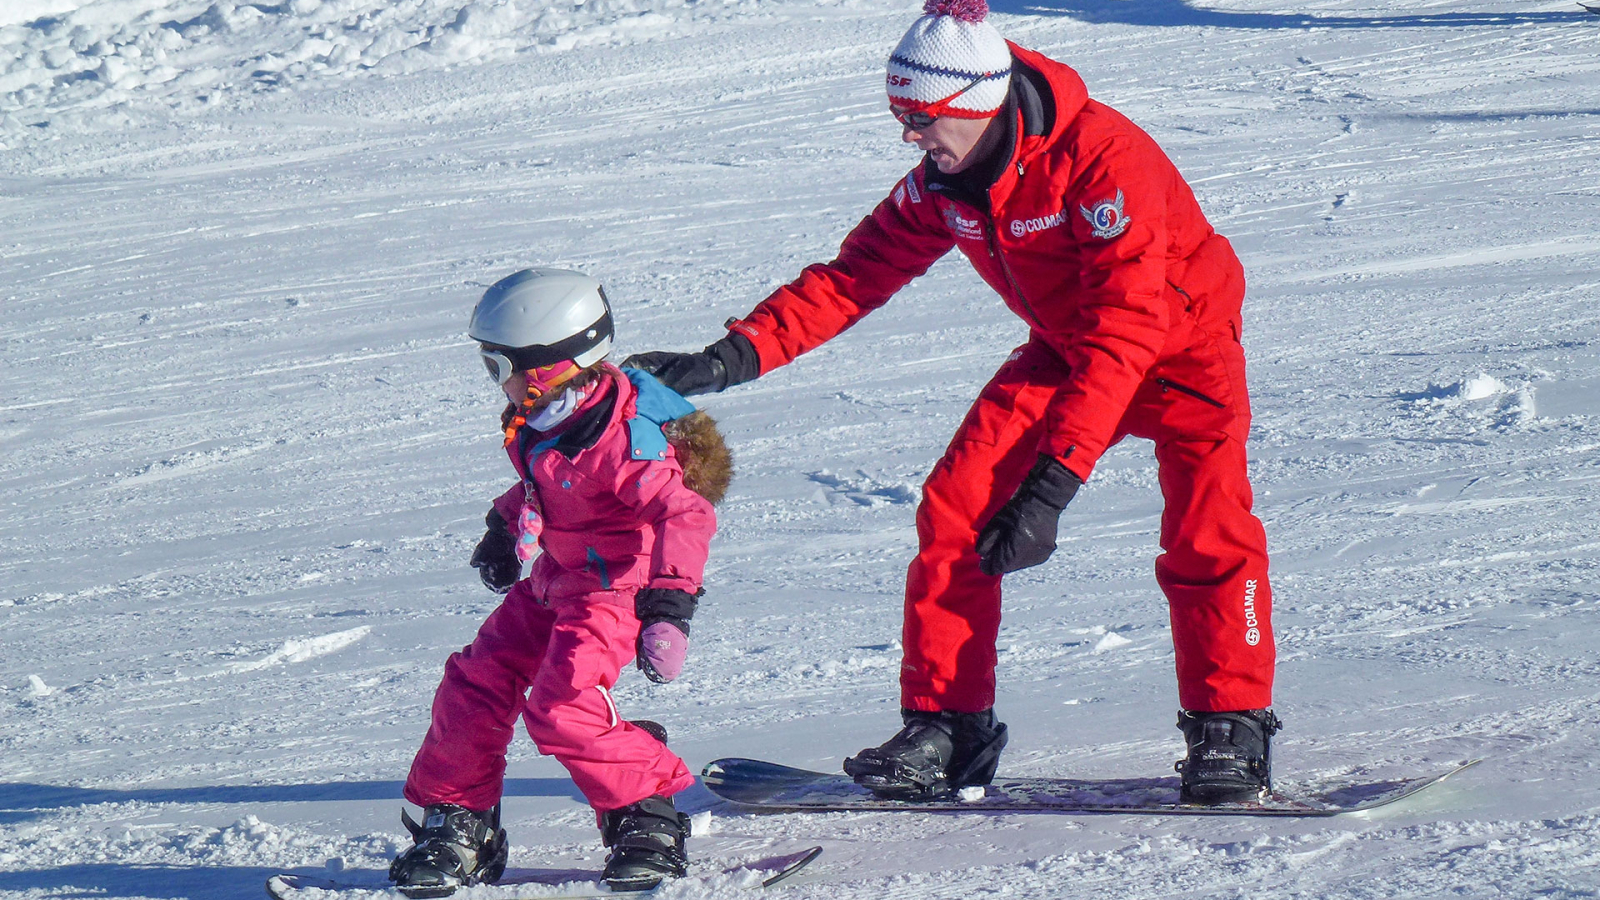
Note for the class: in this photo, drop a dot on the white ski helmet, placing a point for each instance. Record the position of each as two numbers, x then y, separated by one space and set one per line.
539 317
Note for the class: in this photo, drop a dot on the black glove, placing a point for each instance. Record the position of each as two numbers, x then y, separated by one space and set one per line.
1023 532
663 641
730 361
496 555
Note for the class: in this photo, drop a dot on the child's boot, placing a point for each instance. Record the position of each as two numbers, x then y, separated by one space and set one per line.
646 841
454 847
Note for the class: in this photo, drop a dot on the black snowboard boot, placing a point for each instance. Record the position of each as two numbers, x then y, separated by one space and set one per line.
646 841
933 754
453 847
1230 755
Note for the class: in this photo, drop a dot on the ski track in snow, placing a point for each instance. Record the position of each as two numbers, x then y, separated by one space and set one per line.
247 448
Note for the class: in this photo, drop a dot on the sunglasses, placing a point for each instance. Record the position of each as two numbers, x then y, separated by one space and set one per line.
918 119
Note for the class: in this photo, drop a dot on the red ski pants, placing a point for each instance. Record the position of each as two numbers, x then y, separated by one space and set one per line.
1214 568
553 665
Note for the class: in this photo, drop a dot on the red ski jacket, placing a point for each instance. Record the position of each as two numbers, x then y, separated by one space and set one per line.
1091 236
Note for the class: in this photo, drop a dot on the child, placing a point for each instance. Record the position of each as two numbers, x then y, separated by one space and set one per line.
624 538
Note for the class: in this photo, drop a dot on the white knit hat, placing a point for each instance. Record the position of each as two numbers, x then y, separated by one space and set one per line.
945 51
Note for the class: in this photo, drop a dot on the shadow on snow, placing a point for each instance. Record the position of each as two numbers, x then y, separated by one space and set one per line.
102 880
20 801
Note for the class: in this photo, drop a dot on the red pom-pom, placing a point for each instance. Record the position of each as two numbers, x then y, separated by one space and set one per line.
972 11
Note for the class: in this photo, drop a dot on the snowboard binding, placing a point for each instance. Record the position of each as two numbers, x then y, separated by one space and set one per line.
647 844
1229 758
453 847
934 754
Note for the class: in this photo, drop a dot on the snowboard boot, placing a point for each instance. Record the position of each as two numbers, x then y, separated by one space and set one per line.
1230 755
453 847
646 841
936 752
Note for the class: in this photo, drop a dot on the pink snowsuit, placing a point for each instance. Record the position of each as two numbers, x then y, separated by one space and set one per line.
616 518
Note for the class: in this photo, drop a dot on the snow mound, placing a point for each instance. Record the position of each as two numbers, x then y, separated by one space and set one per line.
1112 641
37 688
1479 400
75 65
1482 387
1478 387
296 651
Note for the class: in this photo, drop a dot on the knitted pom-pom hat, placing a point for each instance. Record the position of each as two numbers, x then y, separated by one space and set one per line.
946 50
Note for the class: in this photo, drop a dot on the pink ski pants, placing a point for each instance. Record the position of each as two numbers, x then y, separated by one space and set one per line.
553 665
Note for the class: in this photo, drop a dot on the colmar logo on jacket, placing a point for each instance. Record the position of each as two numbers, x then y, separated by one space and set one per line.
1025 227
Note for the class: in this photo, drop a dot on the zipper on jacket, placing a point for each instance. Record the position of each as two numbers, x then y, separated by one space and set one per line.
993 235
600 568
1172 385
1188 301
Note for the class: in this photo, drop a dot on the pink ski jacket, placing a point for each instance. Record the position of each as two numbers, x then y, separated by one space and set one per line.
611 511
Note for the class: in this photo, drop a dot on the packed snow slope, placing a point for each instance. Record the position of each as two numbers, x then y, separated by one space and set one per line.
248 448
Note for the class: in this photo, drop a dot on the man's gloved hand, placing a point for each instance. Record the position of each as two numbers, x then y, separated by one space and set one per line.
1023 532
496 555
686 373
727 362
663 644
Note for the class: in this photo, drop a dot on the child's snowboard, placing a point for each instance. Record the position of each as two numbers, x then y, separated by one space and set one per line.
530 884
765 785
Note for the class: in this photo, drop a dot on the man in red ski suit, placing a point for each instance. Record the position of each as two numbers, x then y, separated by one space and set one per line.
1089 234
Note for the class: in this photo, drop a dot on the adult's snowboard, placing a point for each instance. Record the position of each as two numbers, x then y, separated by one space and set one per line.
765 785
530 884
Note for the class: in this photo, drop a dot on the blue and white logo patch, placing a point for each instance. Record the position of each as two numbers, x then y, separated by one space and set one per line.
1107 217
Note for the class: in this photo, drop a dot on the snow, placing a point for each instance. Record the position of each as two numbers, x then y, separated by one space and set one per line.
248 450
106 63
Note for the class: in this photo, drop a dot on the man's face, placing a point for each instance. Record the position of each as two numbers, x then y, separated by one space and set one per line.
951 143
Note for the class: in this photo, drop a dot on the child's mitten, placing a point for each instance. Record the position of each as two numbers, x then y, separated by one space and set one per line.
496 555
663 644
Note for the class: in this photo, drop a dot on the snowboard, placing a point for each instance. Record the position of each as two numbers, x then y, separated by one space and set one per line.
1594 8
531 884
765 785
